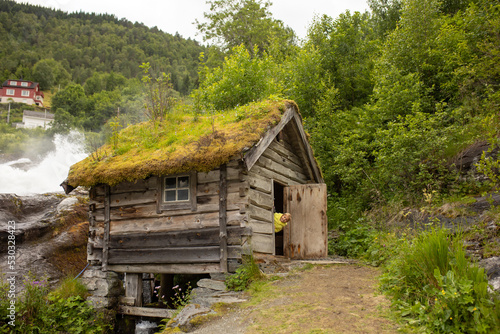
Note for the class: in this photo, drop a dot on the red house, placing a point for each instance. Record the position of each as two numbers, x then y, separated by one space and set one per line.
21 91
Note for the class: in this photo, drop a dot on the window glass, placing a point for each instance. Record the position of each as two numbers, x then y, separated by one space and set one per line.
183 195
10 92
25 93
13 83
170 196
170 182
24 84
183 182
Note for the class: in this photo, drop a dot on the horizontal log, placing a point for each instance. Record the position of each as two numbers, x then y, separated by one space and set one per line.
191 238
174 223
147 311
283 160
127 301
260 199
171 255
269 174
284 150
129 198
260 183
166 268
280 169
124 187
258 226
263 243
259 213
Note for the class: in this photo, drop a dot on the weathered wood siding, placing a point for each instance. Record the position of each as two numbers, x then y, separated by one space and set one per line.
174 240
283 163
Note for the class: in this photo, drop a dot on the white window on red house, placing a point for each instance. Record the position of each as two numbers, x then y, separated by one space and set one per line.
24 84
13 83
25 93
10 92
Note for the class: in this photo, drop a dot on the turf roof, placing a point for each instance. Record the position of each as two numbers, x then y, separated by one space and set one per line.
179 144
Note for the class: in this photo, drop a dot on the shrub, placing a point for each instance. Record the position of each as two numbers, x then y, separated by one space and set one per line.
245 274
433 284
63 310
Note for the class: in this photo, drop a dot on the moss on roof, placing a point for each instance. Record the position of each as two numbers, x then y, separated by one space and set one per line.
178 144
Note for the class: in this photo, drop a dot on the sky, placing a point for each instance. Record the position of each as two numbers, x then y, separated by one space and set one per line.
173 16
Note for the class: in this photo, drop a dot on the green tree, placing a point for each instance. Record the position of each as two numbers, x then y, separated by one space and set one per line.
248 22
49 72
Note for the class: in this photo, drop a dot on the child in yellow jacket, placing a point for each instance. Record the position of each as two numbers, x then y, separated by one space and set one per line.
280 221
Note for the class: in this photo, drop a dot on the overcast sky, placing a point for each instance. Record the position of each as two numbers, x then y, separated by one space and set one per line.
178 15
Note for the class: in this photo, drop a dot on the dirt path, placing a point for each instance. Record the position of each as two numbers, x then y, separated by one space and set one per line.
325 299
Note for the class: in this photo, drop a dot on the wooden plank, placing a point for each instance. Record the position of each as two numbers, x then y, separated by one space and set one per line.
270 154
269 174
133 287
212 176
260 199
259 213
223 218
175 223
306 235
107 223
280 169
130 198
283 150
171 255
191 238
166 268
255 152
260 183
147 311
258 226
262 243
125 187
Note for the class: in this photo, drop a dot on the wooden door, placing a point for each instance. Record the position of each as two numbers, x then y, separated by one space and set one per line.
306 235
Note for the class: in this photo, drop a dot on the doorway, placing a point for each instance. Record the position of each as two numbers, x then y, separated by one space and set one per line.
278 206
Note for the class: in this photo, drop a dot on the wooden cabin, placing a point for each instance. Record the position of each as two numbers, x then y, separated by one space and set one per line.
200 211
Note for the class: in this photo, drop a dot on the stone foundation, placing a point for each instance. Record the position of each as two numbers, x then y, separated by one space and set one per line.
104 287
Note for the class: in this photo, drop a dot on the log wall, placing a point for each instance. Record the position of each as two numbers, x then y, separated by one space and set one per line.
282 162
175 241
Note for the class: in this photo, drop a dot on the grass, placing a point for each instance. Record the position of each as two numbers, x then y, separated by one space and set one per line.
182 142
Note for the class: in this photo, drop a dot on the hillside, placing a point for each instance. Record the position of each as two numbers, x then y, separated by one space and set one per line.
33 37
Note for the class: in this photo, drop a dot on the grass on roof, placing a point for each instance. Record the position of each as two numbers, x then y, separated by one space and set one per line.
178 144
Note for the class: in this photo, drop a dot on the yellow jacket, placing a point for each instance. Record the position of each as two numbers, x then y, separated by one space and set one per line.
278 224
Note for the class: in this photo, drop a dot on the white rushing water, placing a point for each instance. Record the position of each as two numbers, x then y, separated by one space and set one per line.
49 173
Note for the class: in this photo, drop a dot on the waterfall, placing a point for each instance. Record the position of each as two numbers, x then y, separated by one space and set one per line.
47 175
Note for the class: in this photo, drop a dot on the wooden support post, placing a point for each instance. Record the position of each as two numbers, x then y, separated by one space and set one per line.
107 219
223 218
133 287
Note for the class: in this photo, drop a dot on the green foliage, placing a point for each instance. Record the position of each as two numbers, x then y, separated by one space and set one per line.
247 273
243 22
63 310
240 80
434 285
159 98
354 239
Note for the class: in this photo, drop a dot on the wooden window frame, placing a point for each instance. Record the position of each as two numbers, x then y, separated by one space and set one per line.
10 91
25 93
13 83
177 205
24 84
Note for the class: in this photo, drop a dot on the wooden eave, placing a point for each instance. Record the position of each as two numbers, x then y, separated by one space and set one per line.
291 116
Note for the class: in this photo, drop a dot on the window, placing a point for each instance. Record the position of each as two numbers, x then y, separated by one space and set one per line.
10 92
177 192
24 84
25 93
13 83
176 189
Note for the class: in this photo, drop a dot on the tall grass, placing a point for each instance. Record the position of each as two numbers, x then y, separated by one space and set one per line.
434 285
